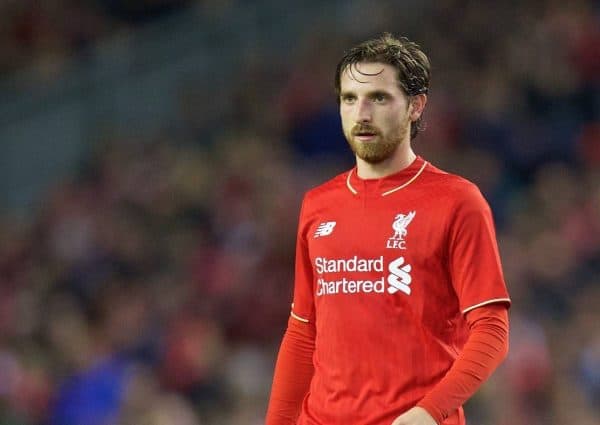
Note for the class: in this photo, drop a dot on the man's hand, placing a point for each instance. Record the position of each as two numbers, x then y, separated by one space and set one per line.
415 416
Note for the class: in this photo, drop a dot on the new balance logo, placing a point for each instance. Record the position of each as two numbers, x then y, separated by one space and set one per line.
325 228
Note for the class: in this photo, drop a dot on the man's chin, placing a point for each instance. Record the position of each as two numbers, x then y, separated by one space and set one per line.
372 159
374 154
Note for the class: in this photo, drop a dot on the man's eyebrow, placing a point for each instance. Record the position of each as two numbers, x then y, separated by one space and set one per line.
379 91
368 93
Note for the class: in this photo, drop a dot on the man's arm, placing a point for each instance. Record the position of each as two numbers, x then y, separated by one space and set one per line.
294 369
485 349
293 373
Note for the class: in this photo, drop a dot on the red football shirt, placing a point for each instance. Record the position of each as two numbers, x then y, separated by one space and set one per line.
386 269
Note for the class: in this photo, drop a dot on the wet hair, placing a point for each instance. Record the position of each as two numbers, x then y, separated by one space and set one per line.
404 55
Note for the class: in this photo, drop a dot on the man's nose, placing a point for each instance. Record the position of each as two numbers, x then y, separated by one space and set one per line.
364 111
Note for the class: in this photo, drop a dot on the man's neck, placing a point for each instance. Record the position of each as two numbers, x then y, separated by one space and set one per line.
399 161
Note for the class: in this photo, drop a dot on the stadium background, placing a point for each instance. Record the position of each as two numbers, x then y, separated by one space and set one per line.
153 154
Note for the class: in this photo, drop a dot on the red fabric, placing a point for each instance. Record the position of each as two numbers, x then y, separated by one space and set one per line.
386 270
484 350
293 373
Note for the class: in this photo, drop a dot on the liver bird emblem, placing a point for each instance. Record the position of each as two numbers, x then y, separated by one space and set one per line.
400 224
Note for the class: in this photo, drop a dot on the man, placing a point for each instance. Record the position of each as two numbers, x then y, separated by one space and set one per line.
400 306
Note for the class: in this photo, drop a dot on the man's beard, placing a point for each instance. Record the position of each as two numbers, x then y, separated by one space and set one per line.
378 151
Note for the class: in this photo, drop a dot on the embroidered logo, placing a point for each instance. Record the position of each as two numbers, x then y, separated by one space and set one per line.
325 229
399 278
399 225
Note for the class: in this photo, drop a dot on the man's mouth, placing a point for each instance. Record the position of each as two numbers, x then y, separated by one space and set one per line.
364 133
365 136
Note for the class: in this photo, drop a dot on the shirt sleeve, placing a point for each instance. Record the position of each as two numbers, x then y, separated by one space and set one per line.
485 349
293 373
473 254
303 305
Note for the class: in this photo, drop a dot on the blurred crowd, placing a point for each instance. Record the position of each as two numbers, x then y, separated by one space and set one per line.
49 34
153 287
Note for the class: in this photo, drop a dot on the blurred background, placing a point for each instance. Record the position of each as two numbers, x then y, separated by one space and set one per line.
153 156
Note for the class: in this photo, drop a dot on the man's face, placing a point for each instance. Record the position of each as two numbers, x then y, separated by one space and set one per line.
374 111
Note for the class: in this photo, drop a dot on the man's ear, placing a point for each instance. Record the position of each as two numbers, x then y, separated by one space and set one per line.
417 105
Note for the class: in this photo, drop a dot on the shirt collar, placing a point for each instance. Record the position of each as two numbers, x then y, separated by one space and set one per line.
388 184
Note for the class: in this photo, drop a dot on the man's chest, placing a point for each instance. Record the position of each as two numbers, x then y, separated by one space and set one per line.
381 265
377 232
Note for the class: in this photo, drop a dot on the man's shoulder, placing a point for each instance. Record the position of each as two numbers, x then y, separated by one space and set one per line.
452 185
449 180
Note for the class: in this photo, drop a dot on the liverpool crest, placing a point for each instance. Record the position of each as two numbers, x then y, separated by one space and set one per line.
399 226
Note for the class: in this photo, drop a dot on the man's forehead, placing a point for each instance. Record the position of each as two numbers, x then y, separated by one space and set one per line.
369 73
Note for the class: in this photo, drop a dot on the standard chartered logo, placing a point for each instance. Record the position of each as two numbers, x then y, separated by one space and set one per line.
398 277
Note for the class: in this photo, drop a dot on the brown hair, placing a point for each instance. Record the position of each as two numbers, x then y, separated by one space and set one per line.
407 57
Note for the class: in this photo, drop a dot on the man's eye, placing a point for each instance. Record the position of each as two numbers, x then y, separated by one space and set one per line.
348 99
380 98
